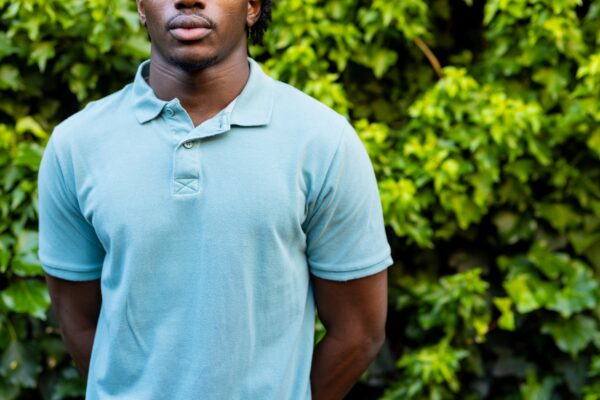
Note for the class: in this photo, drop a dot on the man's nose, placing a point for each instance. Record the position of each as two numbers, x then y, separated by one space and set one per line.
180 4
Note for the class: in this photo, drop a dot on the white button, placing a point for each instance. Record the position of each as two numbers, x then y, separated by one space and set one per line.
188 145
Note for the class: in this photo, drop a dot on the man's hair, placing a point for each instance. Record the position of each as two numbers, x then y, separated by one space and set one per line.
257 31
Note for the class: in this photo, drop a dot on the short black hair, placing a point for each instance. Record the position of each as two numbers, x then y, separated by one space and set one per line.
256 33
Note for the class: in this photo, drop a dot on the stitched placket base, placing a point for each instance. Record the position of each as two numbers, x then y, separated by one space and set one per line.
187 157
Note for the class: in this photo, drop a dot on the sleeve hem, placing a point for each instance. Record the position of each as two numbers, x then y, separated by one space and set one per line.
70 275
359 272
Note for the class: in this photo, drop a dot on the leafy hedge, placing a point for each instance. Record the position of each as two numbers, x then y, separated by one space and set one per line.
483 123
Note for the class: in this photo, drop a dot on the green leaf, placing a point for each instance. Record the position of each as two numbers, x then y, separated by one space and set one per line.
382 61
6 47
593 142
572 335
520 291
29 124
533 389
8 391
29 297
69 387
6 243
507 317
560 216
19 364
26 261
42 52
579 292
10 78
582 241
54 350
29 155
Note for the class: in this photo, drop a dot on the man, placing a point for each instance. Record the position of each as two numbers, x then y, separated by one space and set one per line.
190 223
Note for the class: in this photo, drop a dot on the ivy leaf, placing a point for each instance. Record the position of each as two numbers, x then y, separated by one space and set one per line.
42 52
581 240
6 47
25 262
19 365
69 386
593 255
29 124
572 335
29 297
551 264
29 155
593 142
382 61
10 77
560 216
579 291
518 288
8 391
507 317
6 243
574 372
534 389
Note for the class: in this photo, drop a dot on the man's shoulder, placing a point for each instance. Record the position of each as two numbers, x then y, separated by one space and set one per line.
100 114
309 120
294 101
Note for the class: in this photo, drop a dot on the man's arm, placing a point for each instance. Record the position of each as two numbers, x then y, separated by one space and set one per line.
77 306
354 314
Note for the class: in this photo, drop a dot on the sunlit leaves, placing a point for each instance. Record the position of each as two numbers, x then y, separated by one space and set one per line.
552 281
572 335
507 318
28 296
430 373
488 175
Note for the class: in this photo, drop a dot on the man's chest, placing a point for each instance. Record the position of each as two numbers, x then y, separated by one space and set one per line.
222 184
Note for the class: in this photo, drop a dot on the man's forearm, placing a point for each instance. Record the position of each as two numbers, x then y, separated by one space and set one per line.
79 344
77 306
338 363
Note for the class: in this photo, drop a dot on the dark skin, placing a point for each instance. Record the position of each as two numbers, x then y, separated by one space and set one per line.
77 306
354 314
218 66
206 75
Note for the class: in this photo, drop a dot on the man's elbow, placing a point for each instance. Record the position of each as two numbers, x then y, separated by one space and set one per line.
375 343
368 345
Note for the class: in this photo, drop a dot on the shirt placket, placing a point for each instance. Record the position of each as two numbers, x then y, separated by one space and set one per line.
187 155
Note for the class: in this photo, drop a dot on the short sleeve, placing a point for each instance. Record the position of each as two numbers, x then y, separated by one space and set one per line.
68 245
344 228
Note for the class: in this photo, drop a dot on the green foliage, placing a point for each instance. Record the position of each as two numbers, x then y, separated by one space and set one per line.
54 57
430 372
453 314
488 170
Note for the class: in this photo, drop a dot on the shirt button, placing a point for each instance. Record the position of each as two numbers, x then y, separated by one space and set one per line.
169 112
188 144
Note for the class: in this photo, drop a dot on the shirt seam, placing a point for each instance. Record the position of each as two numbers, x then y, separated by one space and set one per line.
354 268
60 167
325 176
63 183
71 268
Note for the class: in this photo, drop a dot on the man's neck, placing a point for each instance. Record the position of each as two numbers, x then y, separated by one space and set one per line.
204 93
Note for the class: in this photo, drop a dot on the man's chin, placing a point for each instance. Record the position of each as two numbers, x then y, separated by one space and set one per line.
192 65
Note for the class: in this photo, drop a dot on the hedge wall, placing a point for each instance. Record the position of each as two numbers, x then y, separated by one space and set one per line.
482 119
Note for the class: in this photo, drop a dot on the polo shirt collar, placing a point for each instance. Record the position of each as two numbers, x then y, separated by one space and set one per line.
252 107
255 104
146 106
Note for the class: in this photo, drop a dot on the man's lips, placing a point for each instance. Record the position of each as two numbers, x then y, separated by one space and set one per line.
190 34
190 27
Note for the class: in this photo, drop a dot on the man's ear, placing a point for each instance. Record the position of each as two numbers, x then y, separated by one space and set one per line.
141 11
254 7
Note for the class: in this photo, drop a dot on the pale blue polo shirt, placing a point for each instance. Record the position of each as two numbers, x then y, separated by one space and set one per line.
204 238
